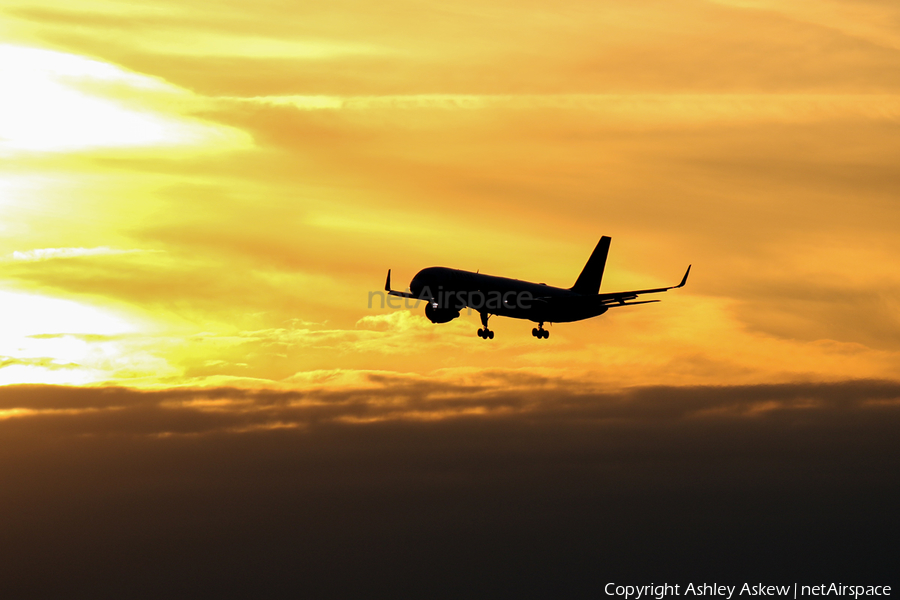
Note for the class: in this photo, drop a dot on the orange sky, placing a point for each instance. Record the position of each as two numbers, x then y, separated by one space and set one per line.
205 193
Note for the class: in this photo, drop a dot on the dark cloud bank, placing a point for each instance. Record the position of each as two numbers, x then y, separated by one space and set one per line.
115 493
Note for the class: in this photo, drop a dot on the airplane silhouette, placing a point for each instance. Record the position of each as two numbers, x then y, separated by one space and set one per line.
448 291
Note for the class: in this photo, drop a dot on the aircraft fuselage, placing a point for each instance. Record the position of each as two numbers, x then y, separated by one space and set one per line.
455 289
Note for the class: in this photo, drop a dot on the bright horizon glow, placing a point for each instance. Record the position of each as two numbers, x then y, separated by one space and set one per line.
32 314
43 340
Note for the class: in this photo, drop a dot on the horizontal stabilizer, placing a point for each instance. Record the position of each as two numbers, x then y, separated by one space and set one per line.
631 303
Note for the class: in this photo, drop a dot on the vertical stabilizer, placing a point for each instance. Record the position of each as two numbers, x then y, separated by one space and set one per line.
588 283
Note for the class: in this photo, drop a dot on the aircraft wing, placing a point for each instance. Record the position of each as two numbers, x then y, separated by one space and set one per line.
625 298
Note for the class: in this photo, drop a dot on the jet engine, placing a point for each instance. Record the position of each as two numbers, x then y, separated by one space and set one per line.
437 314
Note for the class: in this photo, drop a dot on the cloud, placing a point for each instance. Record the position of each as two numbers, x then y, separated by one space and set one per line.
632 111
43 362
51 253
413 48
346 395
862 20
550 486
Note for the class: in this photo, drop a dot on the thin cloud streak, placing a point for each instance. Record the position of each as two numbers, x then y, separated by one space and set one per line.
39 254
635 109
517 395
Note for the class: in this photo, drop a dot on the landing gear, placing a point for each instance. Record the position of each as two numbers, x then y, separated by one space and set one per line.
539 332
485 334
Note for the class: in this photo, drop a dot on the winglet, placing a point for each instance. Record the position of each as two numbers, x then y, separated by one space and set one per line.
387 284
683 280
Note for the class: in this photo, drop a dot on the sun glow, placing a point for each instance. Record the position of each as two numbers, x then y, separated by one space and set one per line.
56 106
51 340
56 102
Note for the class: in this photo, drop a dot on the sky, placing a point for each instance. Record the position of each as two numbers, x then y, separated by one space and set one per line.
199 202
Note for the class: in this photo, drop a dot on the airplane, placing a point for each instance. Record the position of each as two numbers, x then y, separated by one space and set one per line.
448 291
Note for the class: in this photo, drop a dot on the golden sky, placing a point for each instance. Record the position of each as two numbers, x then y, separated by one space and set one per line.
205 193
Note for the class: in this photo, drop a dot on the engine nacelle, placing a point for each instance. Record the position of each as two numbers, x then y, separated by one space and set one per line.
437 314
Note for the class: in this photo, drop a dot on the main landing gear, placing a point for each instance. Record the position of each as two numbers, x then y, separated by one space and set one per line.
539 332
485 334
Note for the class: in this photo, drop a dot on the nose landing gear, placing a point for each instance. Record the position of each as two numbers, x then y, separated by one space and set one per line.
539 332
485 334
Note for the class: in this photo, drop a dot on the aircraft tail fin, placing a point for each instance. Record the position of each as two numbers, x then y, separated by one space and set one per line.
588 283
